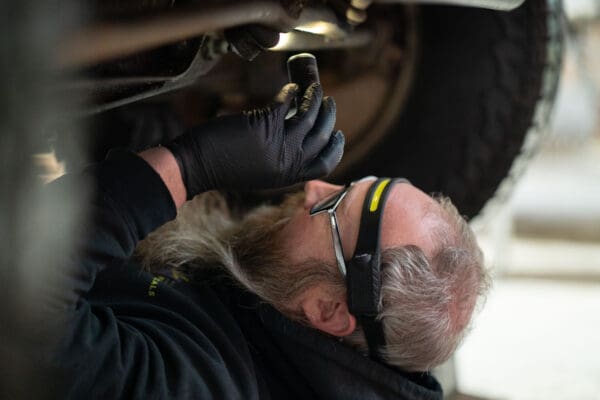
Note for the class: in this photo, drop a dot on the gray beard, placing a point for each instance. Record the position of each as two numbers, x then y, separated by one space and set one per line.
206 235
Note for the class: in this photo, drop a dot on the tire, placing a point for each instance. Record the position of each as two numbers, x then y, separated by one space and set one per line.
485 81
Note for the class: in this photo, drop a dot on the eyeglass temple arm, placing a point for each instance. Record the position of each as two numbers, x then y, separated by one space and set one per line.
337 245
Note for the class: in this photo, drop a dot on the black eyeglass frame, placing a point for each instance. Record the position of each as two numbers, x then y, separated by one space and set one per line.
329 205
363 281
363 271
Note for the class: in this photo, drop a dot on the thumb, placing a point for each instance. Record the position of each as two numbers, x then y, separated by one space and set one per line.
283 100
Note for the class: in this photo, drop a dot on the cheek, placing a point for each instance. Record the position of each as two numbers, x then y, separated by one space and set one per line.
304 238
292 235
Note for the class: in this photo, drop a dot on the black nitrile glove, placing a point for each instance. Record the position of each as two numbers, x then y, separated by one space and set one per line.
260 149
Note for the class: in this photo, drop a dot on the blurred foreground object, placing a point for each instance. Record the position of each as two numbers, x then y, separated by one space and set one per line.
35 226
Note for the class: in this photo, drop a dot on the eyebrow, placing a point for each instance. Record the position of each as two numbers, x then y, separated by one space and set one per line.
350 197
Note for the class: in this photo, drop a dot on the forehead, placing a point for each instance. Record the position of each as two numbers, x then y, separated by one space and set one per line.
410 217
402 194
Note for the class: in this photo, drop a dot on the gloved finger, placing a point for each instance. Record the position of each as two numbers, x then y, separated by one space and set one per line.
328 159
320 134
264 36
308 109
283 100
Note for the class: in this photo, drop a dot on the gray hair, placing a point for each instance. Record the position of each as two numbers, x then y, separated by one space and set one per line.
426 303
196 236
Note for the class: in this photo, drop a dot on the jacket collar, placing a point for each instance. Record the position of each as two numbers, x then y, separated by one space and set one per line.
336 371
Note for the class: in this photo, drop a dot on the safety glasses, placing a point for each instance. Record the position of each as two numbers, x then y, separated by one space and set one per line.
363 276
329 205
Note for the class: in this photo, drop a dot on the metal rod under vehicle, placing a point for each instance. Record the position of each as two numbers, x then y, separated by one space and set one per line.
109 40
104 41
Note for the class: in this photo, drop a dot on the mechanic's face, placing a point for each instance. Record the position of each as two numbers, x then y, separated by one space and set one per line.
409 218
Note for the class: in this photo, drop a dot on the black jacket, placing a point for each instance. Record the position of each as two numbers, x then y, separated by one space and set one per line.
129 334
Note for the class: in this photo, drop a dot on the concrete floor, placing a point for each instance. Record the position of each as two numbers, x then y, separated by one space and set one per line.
538 336
534 340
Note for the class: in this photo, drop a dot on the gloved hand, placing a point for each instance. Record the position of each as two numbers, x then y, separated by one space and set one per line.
260 149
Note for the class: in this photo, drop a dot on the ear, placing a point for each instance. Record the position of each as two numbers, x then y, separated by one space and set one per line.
327 313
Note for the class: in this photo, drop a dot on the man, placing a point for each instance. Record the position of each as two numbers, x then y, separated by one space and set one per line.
257 307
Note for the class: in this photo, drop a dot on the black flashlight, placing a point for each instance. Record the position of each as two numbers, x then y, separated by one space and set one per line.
302 70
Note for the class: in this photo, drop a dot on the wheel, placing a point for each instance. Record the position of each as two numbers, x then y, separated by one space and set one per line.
481 92
450 97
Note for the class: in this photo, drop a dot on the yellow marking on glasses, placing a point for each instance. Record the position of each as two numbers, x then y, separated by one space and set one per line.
377 195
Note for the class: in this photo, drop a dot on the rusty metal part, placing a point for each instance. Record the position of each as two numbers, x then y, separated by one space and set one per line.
108 40
111 92
157 71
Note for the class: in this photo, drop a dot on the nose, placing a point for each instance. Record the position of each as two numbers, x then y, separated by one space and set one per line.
316 190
